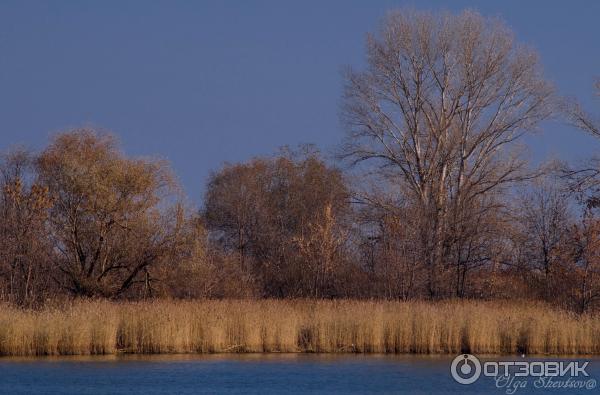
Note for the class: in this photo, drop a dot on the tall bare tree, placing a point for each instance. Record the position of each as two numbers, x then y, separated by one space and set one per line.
439 107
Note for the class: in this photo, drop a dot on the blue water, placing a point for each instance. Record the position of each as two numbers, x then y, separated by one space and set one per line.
248 374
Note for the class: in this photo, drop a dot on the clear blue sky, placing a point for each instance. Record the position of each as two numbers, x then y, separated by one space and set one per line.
202 82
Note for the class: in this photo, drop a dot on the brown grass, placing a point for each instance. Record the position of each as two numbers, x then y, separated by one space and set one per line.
102 327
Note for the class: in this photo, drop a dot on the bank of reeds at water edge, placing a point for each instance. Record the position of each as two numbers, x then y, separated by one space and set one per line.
211 326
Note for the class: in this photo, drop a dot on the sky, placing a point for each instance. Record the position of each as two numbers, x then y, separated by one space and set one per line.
200 83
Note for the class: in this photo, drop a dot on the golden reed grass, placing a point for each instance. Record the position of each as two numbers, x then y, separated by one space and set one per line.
102 327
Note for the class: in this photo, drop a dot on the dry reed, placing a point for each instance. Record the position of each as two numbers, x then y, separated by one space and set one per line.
102 327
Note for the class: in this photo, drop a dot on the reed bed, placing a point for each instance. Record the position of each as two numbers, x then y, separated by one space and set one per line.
165 326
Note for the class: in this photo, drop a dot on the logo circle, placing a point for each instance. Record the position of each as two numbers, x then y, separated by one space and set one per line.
465 369
590 384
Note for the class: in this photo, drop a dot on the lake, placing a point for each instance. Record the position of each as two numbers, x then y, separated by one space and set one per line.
251 374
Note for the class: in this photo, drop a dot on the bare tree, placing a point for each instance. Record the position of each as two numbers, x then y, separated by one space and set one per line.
396 260
581 119
439 107
545 224
233 204
282 217
202 271
583 249
110 221
584 180
24 245
582 255
322 248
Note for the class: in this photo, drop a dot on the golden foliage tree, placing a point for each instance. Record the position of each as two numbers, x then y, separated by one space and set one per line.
110 220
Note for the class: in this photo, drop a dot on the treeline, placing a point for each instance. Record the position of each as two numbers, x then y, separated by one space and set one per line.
431 196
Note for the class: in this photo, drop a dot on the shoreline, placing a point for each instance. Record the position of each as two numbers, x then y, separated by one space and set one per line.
208 327
277 355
